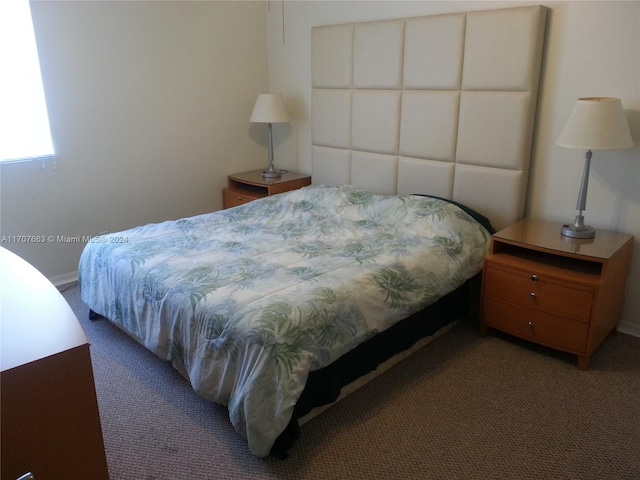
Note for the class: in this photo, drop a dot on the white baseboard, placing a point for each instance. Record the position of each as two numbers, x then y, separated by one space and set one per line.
64 279
629 328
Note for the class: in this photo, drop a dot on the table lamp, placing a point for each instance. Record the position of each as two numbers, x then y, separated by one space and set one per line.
270 108
596 123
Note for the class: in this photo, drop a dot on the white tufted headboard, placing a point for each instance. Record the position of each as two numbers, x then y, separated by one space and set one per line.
441 105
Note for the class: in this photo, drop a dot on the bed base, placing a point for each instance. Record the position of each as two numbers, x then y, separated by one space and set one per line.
328 385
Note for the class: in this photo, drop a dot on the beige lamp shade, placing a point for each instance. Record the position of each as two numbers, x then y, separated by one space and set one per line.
597 124
269 108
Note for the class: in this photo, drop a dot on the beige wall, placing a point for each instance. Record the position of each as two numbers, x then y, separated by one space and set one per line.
149 105
593 49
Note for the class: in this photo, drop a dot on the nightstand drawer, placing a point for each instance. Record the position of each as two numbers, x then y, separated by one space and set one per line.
536 326
530 290
233 198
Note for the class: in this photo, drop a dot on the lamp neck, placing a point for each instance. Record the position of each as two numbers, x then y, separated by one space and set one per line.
582 196
270 144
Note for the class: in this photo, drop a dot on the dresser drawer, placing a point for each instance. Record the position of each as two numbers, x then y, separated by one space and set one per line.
540 293
232 198
535 325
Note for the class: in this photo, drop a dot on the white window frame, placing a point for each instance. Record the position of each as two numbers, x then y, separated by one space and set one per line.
25 133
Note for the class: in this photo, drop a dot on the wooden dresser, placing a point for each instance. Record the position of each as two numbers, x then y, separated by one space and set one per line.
50 425
248 186
562 292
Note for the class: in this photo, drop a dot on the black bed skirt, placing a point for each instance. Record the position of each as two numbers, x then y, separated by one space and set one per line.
323 386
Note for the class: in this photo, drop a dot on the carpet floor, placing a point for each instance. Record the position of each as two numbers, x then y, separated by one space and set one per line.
463 407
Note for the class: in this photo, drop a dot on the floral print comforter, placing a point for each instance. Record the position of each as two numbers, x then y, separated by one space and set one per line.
245 302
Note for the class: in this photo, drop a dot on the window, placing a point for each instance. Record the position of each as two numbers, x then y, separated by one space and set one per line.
24 124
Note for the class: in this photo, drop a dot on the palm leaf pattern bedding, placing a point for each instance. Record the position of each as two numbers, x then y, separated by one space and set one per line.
245 302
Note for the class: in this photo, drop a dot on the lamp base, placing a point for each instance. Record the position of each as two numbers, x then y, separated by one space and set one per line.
271 174
578 231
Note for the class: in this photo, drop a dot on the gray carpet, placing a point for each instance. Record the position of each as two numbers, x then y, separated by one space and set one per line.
464 407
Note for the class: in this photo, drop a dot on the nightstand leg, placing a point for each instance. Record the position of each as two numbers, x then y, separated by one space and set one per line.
583 363
483 329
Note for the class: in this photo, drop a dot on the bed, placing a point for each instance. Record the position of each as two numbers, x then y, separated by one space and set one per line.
281 306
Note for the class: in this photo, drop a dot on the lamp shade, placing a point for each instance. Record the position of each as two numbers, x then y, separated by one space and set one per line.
596 124
269 108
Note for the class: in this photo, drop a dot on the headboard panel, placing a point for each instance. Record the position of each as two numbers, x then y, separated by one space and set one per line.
442 105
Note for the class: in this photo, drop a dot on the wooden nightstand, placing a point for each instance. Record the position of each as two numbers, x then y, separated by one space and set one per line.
557 291
245 187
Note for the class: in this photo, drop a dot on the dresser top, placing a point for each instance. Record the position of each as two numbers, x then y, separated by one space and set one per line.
36 319
543 235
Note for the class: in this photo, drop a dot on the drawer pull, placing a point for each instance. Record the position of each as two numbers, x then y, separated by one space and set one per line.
534 277
532 294
530 324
